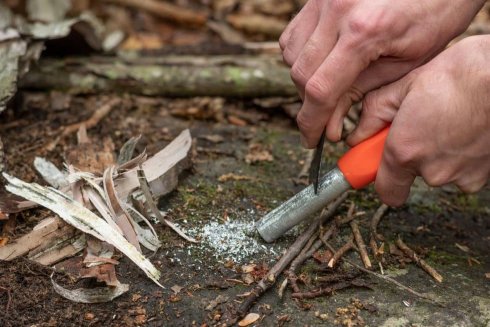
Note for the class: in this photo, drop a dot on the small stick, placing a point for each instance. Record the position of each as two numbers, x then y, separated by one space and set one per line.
386 278
270 279
420 262
338 254
96 117
360 244
376 219
350 215
322 291
306 166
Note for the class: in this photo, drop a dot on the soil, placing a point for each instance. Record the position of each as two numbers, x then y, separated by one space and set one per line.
432 223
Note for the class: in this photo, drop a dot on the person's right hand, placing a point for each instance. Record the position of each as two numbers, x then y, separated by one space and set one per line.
440 123
341 49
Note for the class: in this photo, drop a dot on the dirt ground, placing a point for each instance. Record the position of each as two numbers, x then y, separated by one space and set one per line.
433 222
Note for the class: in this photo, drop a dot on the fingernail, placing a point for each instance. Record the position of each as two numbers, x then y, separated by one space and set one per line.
339 131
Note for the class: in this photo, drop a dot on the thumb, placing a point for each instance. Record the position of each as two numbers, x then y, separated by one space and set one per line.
379 108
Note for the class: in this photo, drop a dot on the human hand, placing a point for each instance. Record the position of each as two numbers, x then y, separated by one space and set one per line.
440 130
341 49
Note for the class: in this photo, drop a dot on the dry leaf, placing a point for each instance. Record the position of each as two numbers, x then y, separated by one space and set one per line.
176 289
248 278
487 275
249 319
463 248
257 153
248 268
233 177
234 120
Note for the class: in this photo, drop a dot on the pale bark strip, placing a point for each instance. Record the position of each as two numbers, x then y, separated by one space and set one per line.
120 215
91 295
161 170
151 204
82 218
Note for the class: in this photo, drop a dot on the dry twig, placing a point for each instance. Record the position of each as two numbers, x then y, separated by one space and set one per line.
360 244
96 117
385 278
420 262
375 221
340 252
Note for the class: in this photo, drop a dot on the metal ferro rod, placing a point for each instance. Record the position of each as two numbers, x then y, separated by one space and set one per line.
302 205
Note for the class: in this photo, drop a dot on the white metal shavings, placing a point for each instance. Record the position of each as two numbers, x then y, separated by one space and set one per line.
234 240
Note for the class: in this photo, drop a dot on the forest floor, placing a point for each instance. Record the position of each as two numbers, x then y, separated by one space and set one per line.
452 230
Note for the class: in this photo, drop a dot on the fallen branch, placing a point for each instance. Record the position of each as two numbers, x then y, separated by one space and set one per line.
165 10
360 244
184 76
420 262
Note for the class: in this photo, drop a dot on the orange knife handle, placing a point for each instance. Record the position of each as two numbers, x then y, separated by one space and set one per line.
360 164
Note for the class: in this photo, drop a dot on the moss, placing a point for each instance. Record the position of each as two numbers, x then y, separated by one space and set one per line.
445 258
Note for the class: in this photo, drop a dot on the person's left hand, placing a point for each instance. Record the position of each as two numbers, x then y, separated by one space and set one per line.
440 129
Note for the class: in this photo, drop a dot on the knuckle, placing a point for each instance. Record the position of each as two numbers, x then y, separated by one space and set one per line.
298 75
437 178
399 155
318 90
287 57
304 122
370 104
369 26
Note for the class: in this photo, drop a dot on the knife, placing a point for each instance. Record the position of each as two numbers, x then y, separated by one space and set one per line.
316 163
356 169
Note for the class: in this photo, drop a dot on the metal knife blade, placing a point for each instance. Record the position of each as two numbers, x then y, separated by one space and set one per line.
316 163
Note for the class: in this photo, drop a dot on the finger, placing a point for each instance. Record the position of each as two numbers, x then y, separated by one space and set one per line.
299 31
313 52
393 182
379 108
472 183
331 80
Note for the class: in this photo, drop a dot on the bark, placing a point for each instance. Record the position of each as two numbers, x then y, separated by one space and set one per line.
226 76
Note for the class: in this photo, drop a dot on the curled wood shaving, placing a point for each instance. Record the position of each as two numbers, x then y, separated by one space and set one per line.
92 295
149 200
82 218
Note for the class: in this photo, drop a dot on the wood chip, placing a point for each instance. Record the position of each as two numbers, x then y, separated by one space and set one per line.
249 319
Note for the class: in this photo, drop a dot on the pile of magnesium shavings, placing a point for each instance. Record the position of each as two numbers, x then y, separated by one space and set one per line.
234 240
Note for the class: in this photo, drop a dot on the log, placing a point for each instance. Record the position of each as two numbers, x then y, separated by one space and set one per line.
225 76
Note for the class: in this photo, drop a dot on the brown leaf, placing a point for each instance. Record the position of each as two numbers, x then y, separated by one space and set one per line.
233 177
105 273
249 319
176 289
323 257
257 153
234 120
